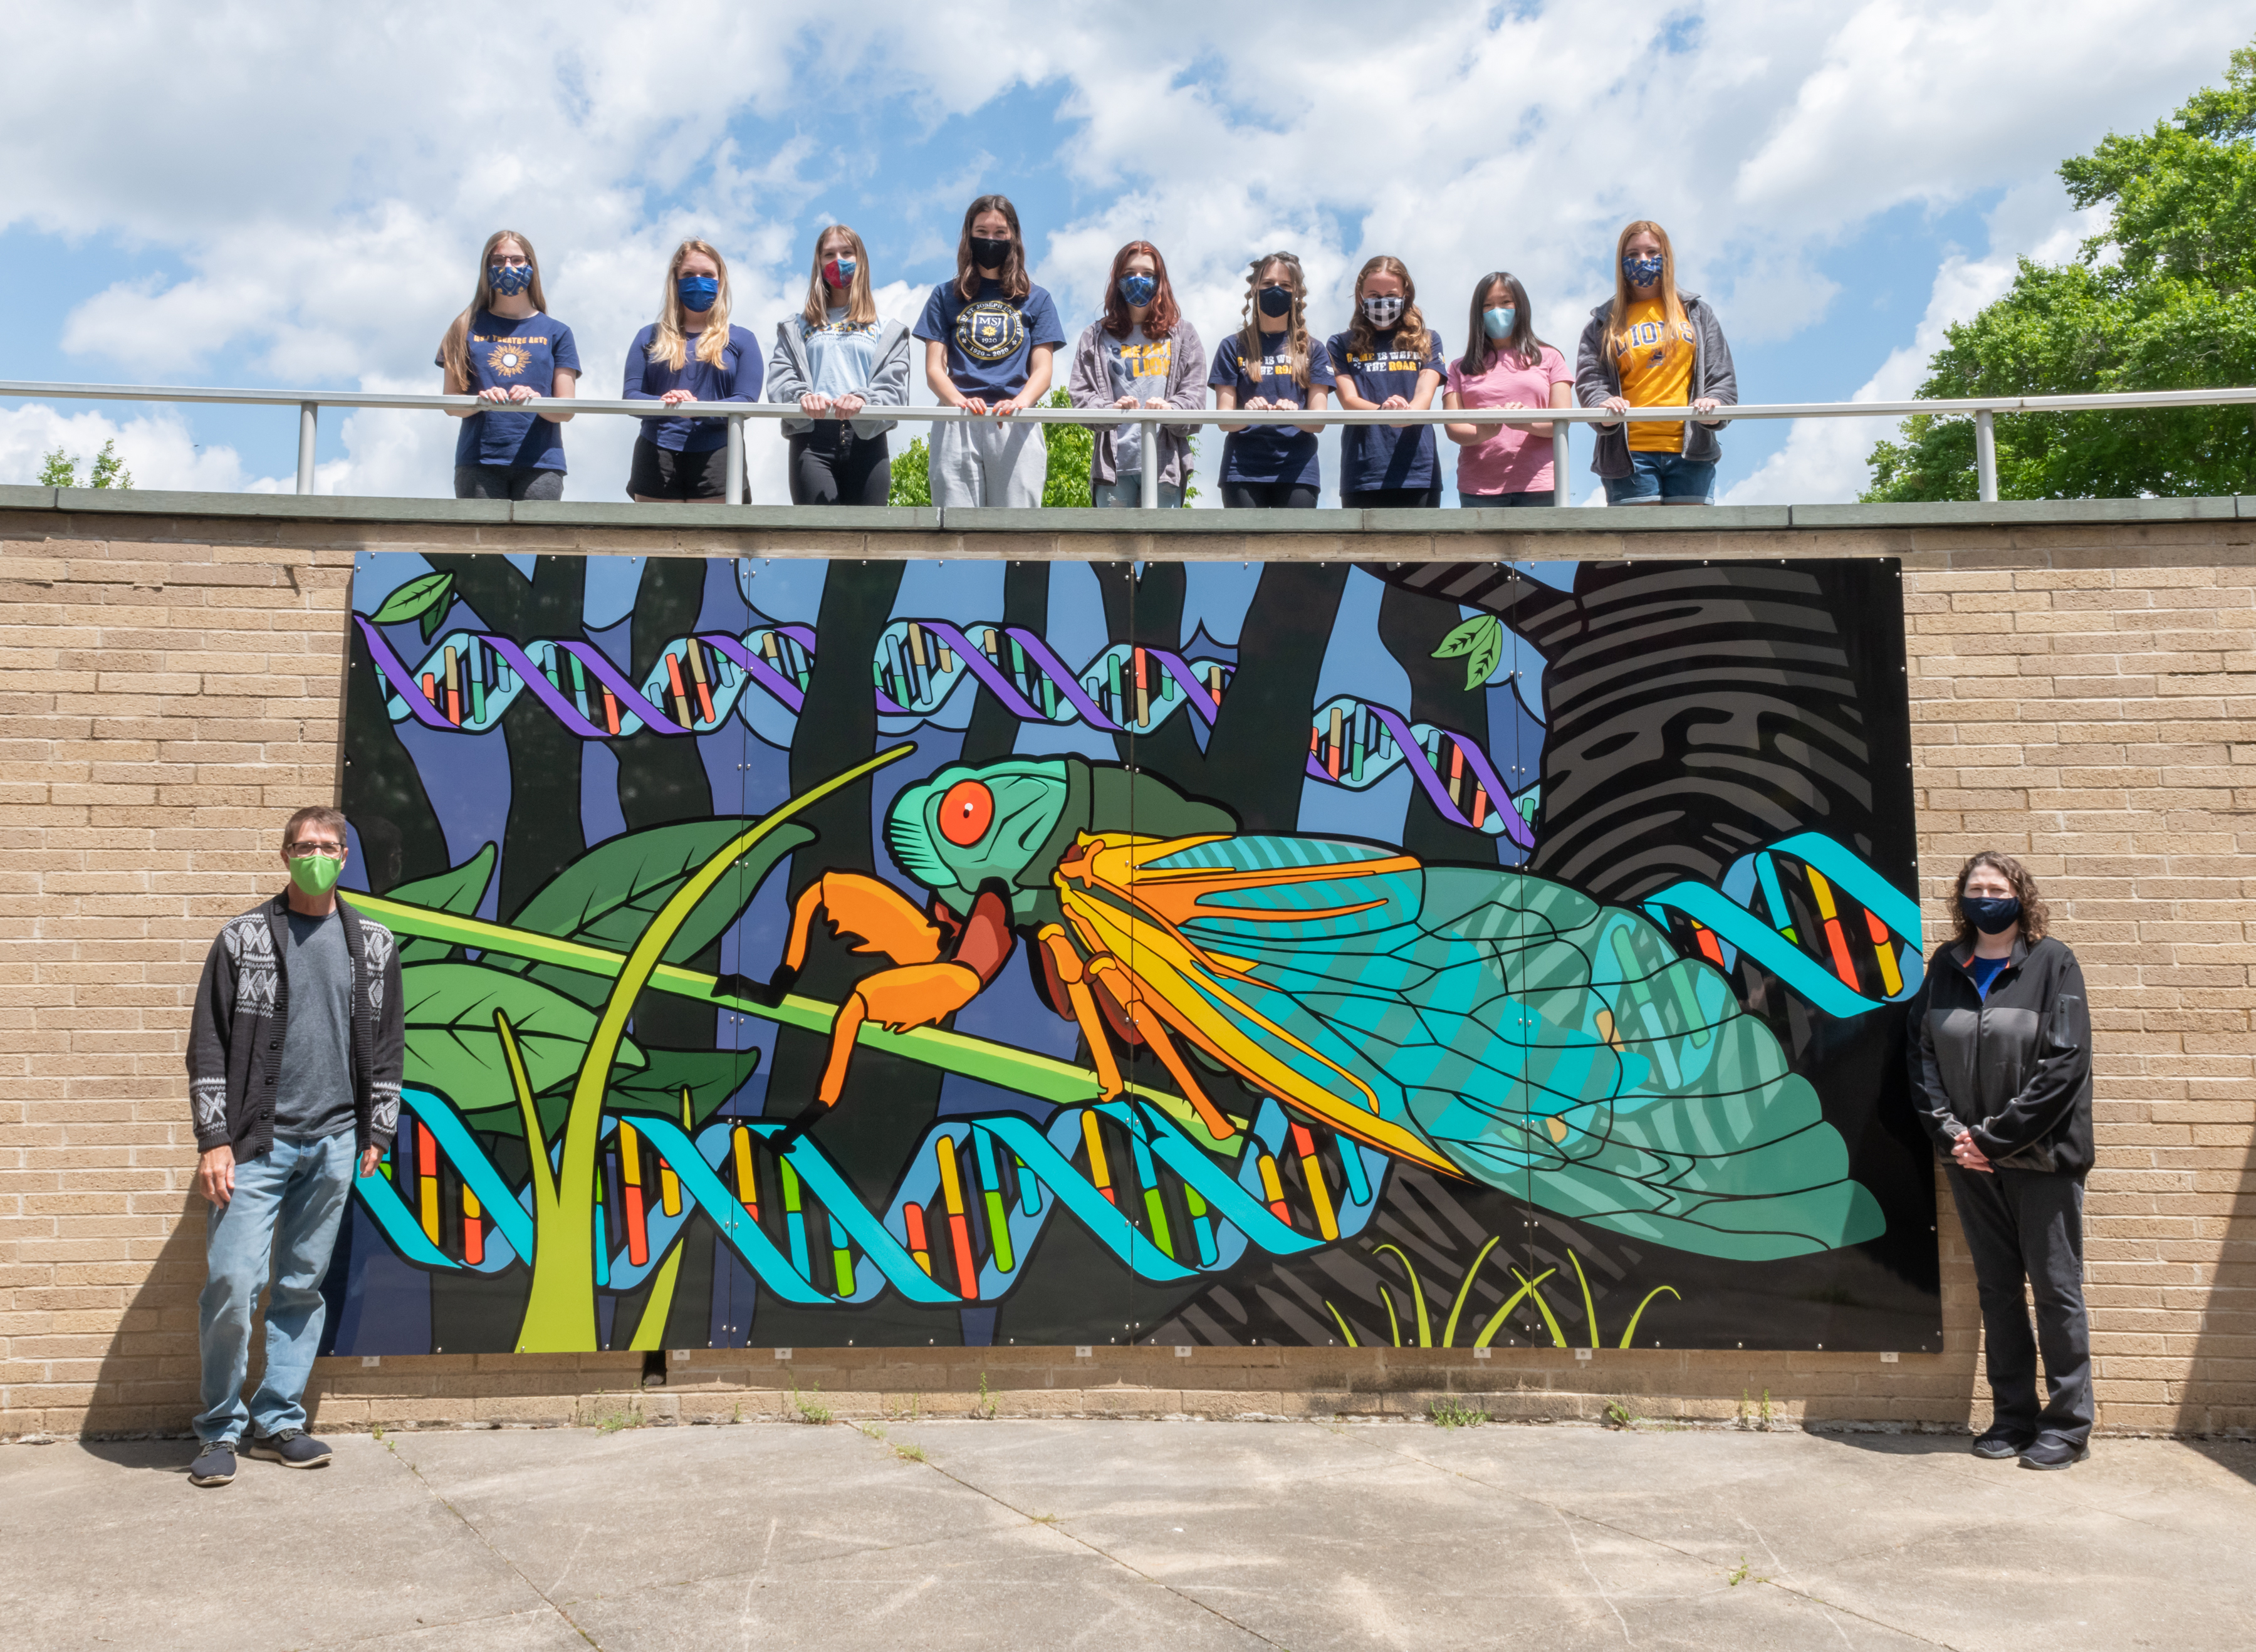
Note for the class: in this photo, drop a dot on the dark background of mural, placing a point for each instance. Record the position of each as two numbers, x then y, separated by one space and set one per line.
1688 715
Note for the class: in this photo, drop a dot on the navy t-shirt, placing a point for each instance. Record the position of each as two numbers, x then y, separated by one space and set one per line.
735 376
1378 455
1270 453
991 338
505 351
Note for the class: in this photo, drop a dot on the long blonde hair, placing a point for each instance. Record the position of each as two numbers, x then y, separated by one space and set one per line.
1410 330
1672 308
670 344
1296 319
455 347
861 307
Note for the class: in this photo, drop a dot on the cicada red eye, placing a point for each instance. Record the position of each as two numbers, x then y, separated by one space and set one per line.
966 813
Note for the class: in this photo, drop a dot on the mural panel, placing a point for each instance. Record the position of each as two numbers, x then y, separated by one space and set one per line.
806 953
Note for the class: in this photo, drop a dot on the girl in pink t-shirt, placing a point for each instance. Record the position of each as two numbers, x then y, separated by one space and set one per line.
1504 365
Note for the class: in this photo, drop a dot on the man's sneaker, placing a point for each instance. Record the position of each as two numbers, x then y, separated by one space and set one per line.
291 1448
2051 1453
2000 1444
214 1463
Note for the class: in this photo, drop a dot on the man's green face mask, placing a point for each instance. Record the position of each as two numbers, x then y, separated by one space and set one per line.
315 875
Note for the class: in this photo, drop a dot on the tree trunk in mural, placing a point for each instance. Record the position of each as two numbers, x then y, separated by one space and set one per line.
399 833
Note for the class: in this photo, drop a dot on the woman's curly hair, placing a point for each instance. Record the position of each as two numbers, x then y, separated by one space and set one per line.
2034 913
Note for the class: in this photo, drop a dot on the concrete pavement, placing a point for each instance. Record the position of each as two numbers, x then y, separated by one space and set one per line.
1106 1534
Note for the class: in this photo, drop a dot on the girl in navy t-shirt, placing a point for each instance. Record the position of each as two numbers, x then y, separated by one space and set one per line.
1271 362
1387 359
690 353
507 349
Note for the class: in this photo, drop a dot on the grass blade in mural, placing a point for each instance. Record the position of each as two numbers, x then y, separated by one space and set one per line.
560 1315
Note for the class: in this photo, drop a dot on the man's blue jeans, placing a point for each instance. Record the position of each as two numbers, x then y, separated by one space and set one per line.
283 1220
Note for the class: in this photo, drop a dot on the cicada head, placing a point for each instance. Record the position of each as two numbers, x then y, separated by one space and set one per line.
971 822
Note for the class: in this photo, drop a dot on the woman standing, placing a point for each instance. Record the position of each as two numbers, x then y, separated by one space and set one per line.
2001 1073
1270 363
835 358
1387 359
988 336
691 353
1652 346
507 349
1504 365
1140 353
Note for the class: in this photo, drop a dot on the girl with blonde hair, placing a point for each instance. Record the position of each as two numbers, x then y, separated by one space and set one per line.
691 353
1271 362
1387 358
837 358
1652 345
509 352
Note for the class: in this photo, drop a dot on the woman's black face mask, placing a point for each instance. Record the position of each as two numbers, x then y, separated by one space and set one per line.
1991 914
989 252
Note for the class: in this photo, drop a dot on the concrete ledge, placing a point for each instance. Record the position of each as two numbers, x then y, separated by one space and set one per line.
1548 519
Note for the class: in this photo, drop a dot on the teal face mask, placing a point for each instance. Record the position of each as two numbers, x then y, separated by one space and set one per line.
315 875
1497 323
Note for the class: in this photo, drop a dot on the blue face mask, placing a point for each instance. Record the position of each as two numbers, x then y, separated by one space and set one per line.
1137 290
1276 301
697 292
508 280
1642 271
1498 323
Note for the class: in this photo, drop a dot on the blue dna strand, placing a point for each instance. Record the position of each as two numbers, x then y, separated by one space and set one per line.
974 1199
1829 928
468 679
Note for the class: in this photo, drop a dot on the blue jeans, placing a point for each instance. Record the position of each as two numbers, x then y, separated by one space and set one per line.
1128 491
283 1220
1663 478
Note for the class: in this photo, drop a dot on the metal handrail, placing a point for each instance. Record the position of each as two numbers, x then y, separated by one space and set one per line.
1982 409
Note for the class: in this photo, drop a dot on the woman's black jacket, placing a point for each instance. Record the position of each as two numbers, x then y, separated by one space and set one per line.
2014 1068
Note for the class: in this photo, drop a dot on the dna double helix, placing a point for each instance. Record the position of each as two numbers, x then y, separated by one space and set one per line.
470 678
976 1196
1828 926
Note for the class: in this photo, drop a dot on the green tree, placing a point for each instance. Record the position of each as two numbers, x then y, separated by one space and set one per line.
2163 299
58 470
912 483
1071 448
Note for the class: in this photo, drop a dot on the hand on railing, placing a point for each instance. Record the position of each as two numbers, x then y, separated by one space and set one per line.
675 398
497 394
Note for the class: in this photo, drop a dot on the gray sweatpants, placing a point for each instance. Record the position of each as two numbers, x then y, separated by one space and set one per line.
988 461
2028 1225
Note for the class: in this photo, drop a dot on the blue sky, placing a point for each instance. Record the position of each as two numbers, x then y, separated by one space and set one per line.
236 202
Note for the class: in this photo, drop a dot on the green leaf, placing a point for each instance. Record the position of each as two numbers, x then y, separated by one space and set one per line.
422 596
459 891
1480 639
710 1075
609 895
452 1046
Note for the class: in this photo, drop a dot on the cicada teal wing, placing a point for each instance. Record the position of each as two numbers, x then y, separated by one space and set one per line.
1523 1034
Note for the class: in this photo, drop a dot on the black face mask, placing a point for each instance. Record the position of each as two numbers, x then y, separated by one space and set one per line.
988 252
1276 301
1991 914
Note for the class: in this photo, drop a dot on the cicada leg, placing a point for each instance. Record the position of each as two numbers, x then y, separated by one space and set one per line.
1066 961
913 995
1129 996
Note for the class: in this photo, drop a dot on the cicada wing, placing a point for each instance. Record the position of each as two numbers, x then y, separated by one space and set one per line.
1522 1033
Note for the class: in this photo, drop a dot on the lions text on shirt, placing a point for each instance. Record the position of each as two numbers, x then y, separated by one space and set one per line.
1138 366
991 338
1379 455
1655 360
1269 453
504 352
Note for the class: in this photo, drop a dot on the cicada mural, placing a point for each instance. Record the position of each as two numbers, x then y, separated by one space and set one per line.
806 953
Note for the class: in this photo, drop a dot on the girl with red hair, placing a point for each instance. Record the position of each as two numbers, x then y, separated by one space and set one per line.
1140 353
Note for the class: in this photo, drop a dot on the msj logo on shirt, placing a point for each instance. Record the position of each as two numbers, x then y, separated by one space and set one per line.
990 330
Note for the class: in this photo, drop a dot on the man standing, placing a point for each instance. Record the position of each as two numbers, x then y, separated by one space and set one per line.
294 1070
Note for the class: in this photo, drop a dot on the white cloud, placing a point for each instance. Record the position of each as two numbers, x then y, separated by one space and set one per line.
1824 460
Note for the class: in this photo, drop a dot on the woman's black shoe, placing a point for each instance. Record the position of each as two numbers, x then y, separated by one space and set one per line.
1998 1444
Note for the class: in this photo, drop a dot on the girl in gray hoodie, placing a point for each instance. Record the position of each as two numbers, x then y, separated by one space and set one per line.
839 360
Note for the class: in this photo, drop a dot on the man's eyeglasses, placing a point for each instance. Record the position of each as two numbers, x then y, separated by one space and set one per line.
306 851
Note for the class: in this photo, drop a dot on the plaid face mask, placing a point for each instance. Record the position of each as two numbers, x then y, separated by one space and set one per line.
1383 311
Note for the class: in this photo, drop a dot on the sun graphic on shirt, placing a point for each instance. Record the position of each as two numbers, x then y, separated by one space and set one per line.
508 360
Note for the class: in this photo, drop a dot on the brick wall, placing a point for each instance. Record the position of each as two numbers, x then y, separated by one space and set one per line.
2080 694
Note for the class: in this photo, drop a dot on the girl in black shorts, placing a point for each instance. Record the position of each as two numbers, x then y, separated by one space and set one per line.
689 354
